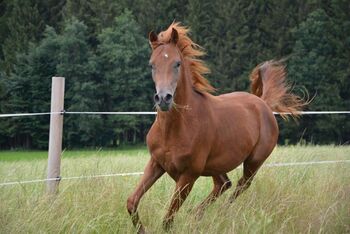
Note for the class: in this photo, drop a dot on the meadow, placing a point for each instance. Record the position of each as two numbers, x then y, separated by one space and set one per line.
289 199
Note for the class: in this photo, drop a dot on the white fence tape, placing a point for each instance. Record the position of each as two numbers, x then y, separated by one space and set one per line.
30 114
23 114
141 173
316 112
154 113
287 164
81 113
70 178
148 113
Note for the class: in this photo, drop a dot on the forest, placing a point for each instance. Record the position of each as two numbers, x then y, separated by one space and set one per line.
101 48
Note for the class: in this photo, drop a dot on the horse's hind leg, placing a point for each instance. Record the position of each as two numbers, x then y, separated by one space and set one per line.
250 167
244 182
221 184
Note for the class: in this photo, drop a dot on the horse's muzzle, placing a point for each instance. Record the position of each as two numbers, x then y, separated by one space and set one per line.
163 101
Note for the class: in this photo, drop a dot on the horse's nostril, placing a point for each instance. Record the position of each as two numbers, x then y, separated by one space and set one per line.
168 97
156 98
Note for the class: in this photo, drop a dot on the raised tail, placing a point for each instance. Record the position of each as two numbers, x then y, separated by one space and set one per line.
268 81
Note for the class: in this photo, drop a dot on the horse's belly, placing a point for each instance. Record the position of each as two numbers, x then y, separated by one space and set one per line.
223 163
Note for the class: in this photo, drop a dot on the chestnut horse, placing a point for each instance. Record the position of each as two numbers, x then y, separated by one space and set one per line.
197 134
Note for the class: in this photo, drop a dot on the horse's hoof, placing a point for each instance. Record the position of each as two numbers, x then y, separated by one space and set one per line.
167 225
199 215
141 230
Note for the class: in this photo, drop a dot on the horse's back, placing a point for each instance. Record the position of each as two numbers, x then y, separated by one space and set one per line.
249 110
243 104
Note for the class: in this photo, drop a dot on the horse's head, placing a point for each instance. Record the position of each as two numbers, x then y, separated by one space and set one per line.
166 68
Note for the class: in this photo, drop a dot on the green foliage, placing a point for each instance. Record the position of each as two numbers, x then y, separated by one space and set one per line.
23 25
126 83
102 50
156 15
77 65
29 92
316 65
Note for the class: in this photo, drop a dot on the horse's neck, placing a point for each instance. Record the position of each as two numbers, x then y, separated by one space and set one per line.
184 96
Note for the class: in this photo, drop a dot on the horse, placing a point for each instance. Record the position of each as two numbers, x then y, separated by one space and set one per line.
198 134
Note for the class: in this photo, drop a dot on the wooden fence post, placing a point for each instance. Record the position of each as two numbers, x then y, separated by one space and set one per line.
56 130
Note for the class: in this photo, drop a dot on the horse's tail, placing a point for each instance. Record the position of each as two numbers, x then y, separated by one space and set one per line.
268 81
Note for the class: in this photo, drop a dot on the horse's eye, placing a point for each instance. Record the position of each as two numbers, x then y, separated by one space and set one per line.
177 64
151 66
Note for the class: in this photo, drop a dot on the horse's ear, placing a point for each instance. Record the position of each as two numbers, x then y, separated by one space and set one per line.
152 37
174 36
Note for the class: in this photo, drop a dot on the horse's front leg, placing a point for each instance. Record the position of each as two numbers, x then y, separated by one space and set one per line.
152 172
183 187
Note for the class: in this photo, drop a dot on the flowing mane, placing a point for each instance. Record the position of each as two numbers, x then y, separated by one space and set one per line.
190 51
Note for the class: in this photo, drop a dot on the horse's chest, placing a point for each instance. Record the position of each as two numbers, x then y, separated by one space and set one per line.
173 161
172 149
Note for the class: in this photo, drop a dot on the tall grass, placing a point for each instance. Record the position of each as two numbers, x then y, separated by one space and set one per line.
302 199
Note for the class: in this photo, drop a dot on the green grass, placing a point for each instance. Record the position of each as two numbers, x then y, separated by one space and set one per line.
299 199
19 155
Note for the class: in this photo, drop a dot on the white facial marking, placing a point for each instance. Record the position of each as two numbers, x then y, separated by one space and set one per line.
166 55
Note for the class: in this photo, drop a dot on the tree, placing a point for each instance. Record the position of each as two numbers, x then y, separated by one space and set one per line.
51 12
24 25
156 15
103 52
3 122
315 63
28 91
126 83
95 14
76 64
237 36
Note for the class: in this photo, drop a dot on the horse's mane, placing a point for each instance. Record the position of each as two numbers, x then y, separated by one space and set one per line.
192 52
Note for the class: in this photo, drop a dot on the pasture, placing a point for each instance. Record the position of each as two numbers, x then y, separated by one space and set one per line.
289 199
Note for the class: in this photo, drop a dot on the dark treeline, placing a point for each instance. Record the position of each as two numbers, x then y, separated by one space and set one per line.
101 47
